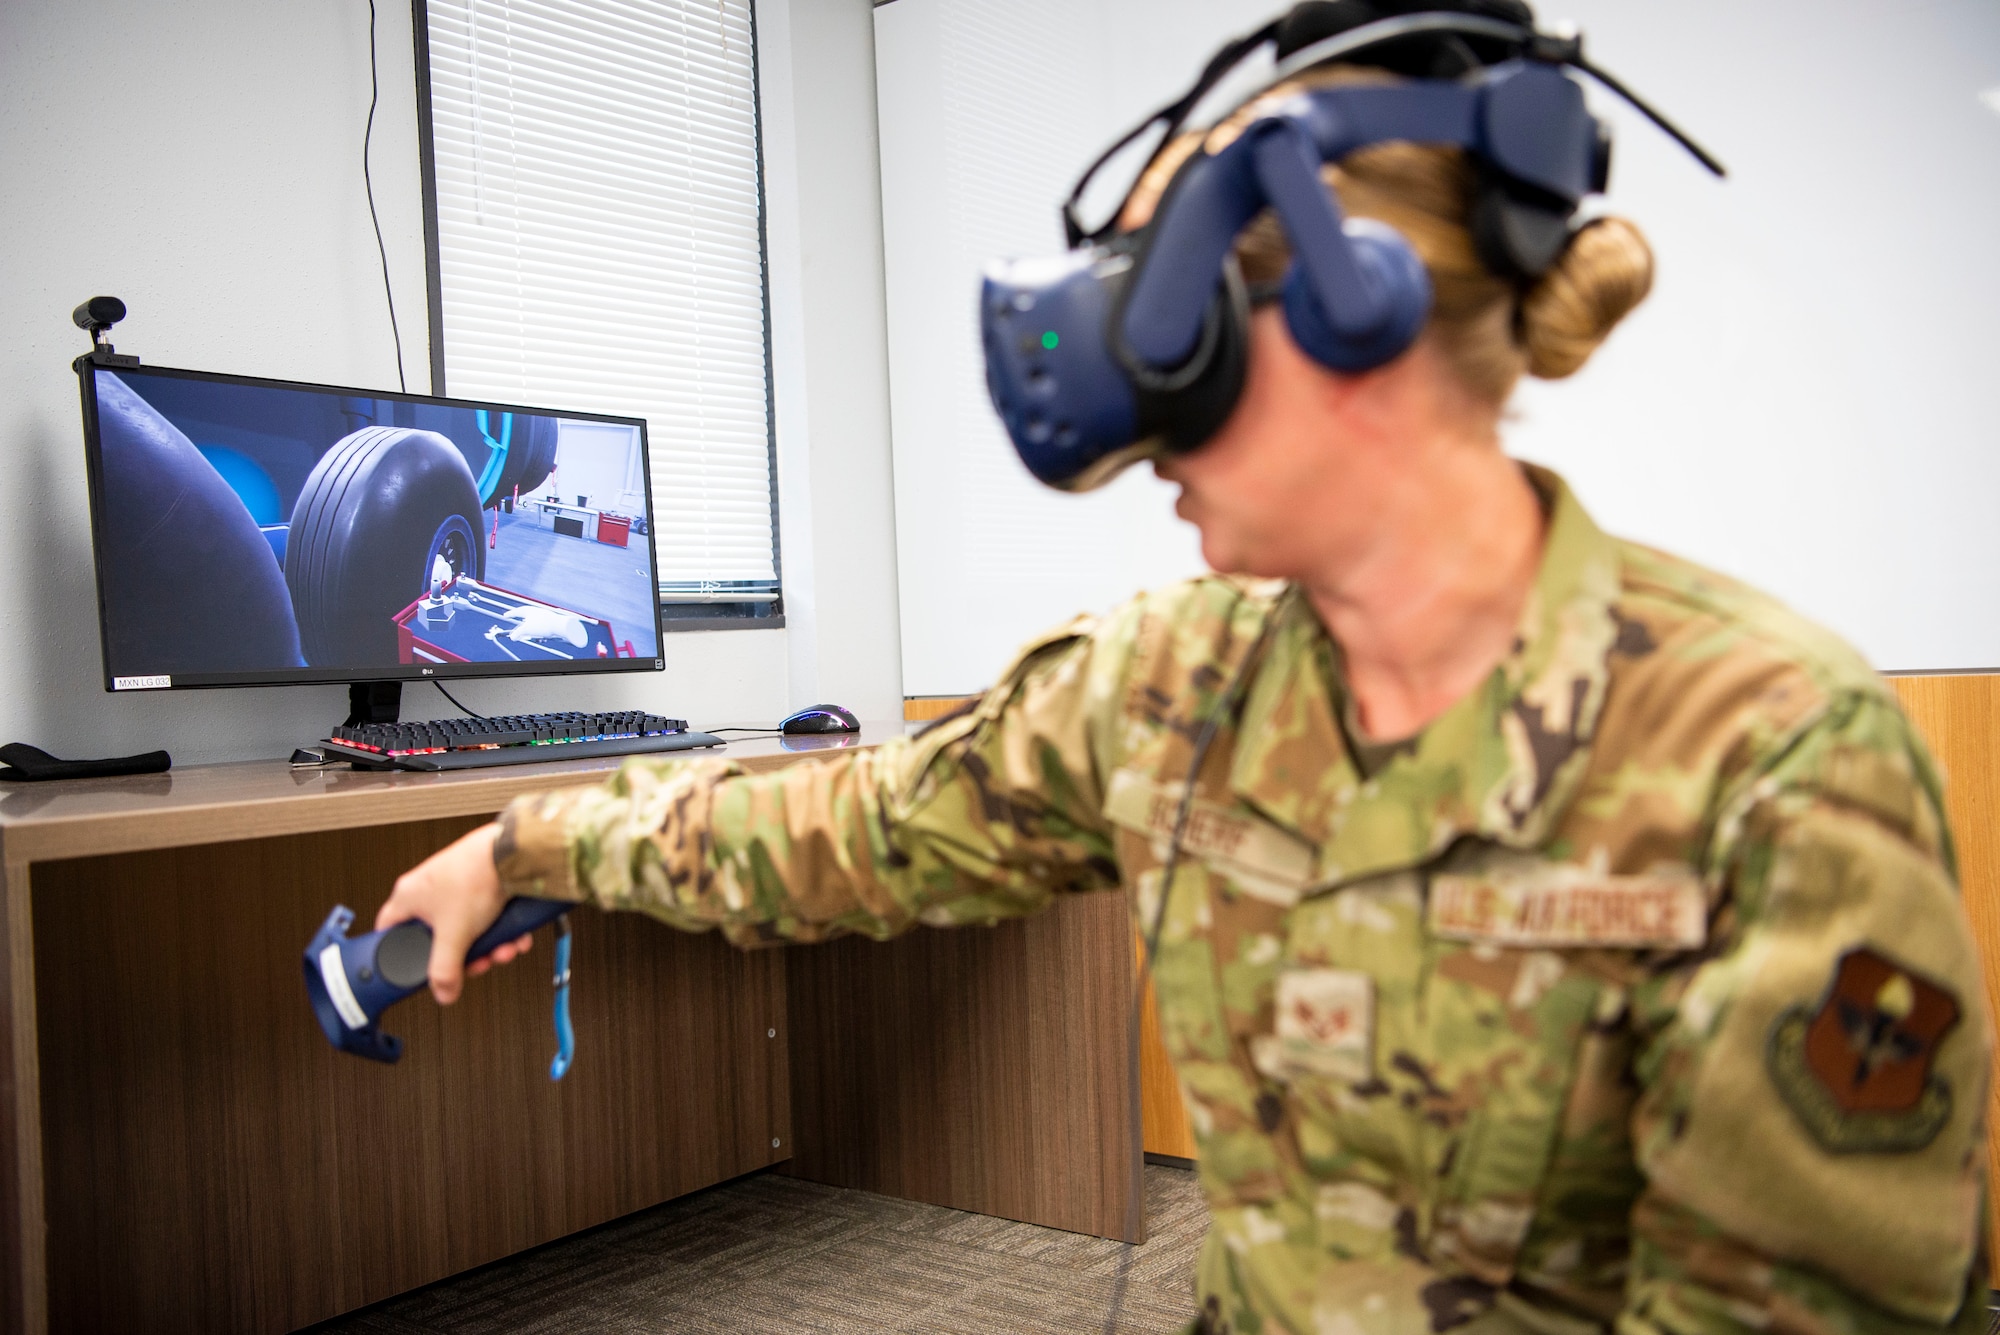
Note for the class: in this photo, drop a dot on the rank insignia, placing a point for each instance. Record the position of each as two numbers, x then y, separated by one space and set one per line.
1325 1026
1857 1070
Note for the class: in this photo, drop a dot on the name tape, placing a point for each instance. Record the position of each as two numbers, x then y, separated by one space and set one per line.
1565 905
1265 859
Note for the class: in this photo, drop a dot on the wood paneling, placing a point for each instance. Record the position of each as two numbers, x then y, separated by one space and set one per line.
23 1293
206 1162
1164 1120
1163 1112
1959 717
924 708
213 1165
986 1069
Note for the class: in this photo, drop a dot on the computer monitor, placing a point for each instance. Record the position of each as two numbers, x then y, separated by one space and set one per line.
261 532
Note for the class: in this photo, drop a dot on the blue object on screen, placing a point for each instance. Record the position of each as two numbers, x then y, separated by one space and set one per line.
264 532
496 458
247 478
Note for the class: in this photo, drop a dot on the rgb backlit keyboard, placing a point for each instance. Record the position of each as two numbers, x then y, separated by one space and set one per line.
459 743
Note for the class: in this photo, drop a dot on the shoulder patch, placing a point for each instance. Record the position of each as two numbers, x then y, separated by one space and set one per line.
1857 1070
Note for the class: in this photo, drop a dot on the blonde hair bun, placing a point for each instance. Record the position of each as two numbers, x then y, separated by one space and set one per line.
1604 272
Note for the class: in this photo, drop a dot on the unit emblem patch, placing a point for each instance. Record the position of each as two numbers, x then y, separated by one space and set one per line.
1325 1023
1857 1070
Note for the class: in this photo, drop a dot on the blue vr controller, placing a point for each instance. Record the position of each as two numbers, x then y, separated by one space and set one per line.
351 980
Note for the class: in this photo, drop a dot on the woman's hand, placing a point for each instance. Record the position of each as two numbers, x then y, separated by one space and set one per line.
457 892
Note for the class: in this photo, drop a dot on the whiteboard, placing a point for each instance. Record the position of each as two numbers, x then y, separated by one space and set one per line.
1810 399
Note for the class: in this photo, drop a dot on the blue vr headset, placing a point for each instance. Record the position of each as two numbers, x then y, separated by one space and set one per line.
1134 345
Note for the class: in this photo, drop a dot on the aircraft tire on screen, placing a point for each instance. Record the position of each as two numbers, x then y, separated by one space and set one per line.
538 460
530 454
456 543
187 579
376 511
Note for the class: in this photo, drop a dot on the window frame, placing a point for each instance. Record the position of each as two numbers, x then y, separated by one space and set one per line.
757 610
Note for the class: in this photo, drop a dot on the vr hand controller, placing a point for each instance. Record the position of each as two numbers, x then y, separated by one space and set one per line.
351 980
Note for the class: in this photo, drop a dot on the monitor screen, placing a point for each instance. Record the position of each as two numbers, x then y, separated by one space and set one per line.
258 531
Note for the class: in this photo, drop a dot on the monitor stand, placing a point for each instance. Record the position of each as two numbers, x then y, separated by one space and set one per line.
374 702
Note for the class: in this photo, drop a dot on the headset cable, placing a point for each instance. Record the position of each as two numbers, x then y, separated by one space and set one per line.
368 183
1135 1208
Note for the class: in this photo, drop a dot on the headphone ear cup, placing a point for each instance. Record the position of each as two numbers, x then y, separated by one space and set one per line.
1388 265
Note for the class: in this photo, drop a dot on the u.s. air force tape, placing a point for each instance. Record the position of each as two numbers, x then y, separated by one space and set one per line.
1558 904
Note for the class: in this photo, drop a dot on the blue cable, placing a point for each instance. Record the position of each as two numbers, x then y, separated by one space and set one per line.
496 458
565 1035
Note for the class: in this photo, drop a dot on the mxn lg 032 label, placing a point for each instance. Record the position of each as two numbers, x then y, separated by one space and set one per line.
155 683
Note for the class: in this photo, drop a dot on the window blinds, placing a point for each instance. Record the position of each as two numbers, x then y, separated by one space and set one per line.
600 247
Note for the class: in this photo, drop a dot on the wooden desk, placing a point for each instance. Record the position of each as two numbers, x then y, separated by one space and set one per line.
180 1149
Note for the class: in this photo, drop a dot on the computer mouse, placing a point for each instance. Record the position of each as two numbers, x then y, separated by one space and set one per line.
820 718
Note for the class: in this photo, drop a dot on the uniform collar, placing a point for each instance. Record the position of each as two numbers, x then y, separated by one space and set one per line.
1501 763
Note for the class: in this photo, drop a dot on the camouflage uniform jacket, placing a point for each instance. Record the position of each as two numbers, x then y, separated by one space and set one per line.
1634 992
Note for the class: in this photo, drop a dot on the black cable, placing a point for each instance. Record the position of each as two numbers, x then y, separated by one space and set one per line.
1173 116
1558 50
1646 109
367 141
1134 1214
454 699
742 729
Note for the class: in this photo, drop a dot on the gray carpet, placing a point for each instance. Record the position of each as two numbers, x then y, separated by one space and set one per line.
774 1254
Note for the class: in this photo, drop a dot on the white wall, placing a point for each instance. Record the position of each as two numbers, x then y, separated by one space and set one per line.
600 460
203 162
1807 398
1803 401
987 113
829 353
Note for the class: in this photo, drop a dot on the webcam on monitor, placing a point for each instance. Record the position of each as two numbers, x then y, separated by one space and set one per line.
95 317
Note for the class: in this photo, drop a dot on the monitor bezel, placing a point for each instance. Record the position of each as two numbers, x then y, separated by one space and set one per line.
86 370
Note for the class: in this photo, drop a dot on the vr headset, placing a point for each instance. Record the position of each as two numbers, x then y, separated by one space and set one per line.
1134 345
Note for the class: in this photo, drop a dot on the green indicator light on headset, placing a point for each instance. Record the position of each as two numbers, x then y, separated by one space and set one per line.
1049 340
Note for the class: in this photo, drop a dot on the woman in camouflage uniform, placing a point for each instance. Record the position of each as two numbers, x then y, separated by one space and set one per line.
1562 935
